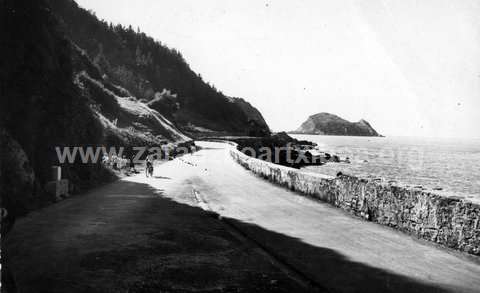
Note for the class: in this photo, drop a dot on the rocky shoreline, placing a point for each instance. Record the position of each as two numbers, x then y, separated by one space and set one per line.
282 149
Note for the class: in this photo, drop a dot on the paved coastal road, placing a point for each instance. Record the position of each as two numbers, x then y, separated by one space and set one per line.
333 248
151 235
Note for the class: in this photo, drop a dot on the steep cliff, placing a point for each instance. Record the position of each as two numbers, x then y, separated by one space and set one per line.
148 69
53 95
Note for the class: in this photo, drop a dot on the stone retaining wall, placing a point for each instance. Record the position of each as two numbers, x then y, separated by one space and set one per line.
449 221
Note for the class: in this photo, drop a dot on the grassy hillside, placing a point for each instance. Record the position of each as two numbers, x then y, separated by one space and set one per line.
146 68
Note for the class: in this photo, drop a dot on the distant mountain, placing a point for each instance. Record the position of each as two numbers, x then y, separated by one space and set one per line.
330 124
155 74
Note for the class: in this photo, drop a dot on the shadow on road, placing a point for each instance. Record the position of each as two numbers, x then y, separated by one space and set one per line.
328 268
128 237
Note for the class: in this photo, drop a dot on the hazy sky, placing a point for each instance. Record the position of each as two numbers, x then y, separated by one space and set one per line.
411 68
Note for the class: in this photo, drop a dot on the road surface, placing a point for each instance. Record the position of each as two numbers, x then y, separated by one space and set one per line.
156 227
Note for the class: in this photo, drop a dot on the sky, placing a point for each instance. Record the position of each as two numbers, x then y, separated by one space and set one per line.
410 68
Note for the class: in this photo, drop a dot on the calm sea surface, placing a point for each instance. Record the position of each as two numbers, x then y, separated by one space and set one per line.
450 164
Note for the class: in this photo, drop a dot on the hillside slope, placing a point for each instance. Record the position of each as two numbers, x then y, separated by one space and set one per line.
120 113
330 124
146 68
52 95
40 107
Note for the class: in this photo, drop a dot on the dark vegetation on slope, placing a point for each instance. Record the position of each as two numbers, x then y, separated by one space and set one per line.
39 106
52 95
145 68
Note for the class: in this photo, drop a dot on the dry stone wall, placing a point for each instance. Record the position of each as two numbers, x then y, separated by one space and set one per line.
450 221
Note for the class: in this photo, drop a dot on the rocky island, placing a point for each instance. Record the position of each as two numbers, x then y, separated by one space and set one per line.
330 124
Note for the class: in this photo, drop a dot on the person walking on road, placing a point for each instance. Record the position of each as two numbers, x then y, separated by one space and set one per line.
149 166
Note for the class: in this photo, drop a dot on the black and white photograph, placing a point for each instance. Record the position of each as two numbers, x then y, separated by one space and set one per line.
156 146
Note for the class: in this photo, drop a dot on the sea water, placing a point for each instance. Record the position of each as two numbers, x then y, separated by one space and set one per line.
452 165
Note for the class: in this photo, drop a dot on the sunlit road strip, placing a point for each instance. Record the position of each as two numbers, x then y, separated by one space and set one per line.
328 245
278 261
